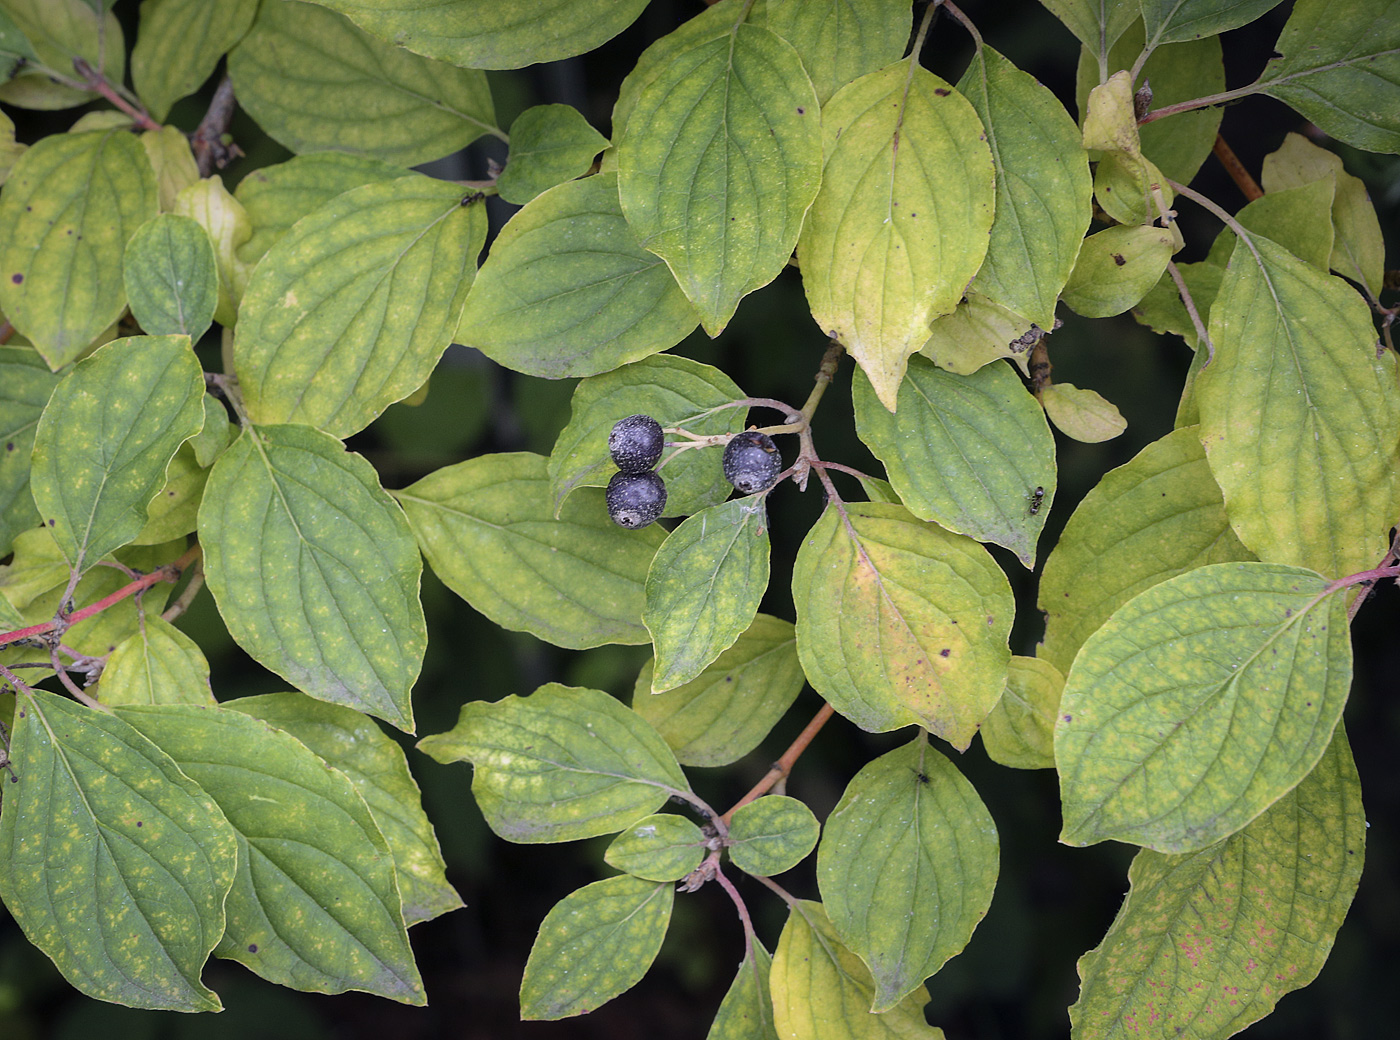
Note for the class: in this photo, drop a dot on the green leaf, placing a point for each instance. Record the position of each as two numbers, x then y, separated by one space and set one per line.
567 289
1116 268
1171 20
1299 219
179 43
489 533
10 149
900 225
69 206
596 943
726 711
209 203
1175 72
1158 516
1299 416
113 861
822 991
25 385
106 438
1131 190
1162 310
1358 251
170 277
977 333
907 866
157 665
314 904
674 391
746 1013
900 622
549 144
276 197
315 83
1097 24
704 586
772 834
484 34
1206 943
350 311
1020 731
174 512
1340 67
376 765
1043 189
15 49
658 848
840 41
562 764
965 451
732 109
1199 704
57 31
314 569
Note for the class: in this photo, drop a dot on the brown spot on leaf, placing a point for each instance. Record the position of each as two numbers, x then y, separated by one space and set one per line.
942 91
17 278
1118 259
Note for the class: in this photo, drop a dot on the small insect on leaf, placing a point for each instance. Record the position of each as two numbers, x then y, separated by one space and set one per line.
1036 497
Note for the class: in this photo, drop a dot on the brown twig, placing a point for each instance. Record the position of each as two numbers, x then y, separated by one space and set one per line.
186 597
1040 366
781 768
211 151
1189 303
98 82
1236 170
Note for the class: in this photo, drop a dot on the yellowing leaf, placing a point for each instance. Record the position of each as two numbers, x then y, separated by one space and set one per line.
1116 268
1082 414
900 622
900 225
976 334
209 204
180 42
1020 731
841 41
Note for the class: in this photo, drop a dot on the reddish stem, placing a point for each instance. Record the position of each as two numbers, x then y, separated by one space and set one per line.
781 768
98 82
1236 170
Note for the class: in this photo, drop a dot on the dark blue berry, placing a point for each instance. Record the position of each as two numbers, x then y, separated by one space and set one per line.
635 499
752 462
635 443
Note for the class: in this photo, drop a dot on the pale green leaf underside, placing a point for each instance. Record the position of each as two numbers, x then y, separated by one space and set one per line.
1146 521
746 1013
841 40
567 289
486 34
822 991
157 665
704 586
1199 704
25 385
376 765
352 308
900 622
726 711
1207 943
315 82
113 862
1168 21
69 206
907 866
732 110
314 903
676 392
106 438
597 942
562 764
315 570
488 530
965 451
1020 731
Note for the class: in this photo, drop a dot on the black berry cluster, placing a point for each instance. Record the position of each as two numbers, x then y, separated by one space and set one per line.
752 462
636 495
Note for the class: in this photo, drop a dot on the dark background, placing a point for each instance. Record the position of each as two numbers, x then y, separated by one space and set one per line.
1017 976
